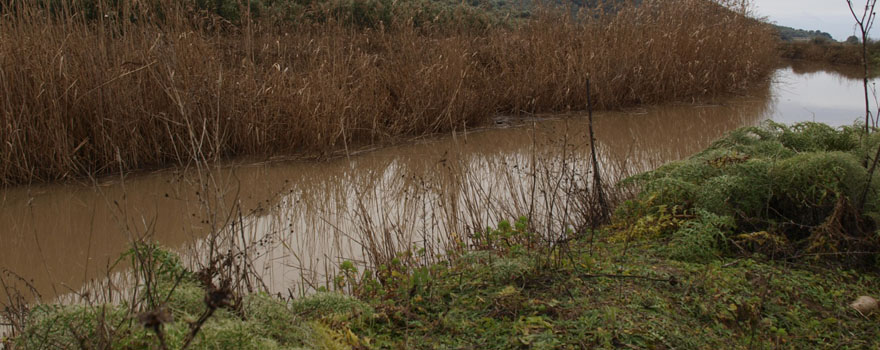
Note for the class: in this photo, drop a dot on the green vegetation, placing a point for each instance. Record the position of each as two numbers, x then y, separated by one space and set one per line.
754 243
542 299
363 13
792 34
252 321
786 191
815 45
834 53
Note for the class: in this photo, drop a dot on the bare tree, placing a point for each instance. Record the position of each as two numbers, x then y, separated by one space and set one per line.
864 23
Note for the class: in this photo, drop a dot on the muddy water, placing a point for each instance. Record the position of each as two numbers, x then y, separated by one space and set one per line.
809 92
307 216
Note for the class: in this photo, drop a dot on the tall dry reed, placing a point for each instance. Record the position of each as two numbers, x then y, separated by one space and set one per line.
89 95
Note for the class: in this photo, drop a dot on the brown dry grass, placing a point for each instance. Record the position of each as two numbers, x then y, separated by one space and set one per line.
93 97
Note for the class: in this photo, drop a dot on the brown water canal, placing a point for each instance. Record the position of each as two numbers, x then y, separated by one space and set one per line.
308 216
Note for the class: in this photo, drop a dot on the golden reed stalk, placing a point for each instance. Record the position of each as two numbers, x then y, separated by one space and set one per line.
84 95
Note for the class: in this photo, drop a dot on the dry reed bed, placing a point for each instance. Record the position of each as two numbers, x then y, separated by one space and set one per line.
89 98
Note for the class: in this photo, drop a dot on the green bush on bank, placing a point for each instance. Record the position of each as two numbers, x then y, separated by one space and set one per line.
799 186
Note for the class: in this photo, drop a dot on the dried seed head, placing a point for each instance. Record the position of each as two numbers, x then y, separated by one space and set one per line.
155 317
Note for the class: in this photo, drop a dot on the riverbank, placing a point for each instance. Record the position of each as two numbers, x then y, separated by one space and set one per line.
143 88
754 242
833 53
616 296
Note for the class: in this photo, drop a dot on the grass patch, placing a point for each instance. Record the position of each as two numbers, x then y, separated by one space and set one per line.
603 299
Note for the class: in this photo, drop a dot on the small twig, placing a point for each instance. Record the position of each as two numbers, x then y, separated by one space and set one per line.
873 168
861 314
160 335
734 262
865 23
833 254
154 319
214 299
671 280
123 75
597 178
197 326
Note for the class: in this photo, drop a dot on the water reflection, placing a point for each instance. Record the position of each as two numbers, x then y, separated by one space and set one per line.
424 193
310 215
804 92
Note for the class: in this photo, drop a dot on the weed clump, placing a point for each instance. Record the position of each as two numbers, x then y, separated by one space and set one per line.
700 240
331 305
65 325
793 191
171 295
277 319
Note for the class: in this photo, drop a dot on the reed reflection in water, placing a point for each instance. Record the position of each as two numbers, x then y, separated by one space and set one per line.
431 194
303 218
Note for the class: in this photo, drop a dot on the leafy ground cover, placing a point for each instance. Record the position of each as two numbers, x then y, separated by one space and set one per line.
571 298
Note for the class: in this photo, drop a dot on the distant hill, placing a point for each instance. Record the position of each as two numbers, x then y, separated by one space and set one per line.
507 6
792 34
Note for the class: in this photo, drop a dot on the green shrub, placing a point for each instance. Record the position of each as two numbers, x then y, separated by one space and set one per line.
806 187
66 326
322 337
329 304
276 319
702 239
732 195
231 333
816 137
742 192
506 269
186 300
797 187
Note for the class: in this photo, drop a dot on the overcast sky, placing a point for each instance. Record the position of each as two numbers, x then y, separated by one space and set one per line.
830 16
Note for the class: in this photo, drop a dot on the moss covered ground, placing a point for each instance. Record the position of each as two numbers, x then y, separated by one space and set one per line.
540 300
755 243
